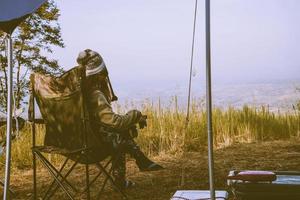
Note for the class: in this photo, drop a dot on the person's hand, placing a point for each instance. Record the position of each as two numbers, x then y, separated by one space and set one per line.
143 122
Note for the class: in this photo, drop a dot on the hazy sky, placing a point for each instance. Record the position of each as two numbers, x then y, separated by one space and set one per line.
148 42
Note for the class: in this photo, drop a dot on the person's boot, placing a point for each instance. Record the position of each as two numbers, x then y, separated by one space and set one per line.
148 165
119 173
145 164
142 161
124 184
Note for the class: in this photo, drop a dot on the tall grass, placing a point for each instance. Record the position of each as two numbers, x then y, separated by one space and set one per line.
167 131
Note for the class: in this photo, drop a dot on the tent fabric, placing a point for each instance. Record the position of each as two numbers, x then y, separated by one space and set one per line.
13 12
9 27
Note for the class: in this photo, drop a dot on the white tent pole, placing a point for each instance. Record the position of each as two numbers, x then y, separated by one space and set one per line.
9 117
209 101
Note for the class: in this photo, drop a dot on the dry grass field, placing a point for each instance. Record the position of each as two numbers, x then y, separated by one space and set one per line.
247 138
186 171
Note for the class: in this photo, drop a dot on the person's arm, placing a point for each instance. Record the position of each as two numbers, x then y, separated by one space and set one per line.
104 113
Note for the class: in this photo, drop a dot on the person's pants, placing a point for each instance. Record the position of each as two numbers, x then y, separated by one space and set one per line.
127 146
119 163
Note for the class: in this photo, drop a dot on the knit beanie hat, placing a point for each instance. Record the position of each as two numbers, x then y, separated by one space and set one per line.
94 64
92 61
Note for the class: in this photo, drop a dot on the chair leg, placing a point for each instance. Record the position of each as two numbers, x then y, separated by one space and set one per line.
108 177
53 182
34 175
97 176
115 159
55 170
61 180
102 169
87 175
104 183
64 178
52 173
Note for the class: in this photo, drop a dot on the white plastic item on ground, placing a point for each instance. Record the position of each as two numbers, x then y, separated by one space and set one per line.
198 195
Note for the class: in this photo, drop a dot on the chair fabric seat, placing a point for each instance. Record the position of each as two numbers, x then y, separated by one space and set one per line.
83 155
57 150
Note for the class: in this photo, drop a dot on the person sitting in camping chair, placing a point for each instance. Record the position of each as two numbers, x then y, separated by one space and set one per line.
99 95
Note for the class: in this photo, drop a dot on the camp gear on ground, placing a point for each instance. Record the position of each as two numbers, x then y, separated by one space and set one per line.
198 195
253 176
286 186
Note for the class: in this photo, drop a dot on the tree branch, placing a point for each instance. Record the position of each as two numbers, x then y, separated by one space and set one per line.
5 86
18 93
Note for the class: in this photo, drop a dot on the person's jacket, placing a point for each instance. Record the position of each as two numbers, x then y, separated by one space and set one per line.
101 111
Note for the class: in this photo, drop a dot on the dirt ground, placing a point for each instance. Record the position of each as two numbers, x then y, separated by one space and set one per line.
187 171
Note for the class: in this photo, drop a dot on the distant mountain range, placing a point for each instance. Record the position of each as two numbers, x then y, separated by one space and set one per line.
275 95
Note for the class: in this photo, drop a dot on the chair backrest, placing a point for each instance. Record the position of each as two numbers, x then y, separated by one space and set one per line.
61 103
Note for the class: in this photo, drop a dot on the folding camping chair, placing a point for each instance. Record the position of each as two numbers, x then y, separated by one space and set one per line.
68 133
